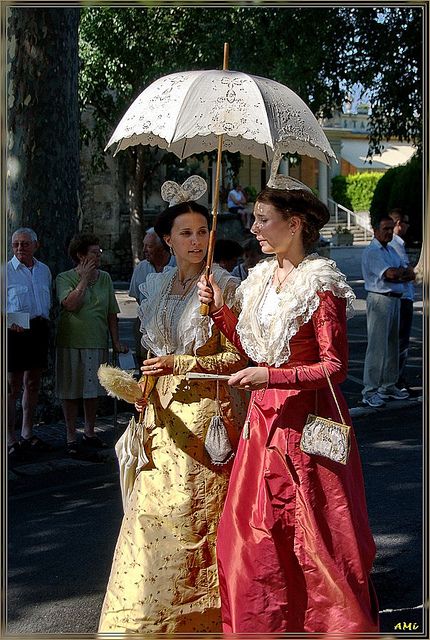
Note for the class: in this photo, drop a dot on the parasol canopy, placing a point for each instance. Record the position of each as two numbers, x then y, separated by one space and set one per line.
186 112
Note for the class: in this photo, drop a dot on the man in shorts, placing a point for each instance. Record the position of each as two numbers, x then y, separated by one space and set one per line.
29 286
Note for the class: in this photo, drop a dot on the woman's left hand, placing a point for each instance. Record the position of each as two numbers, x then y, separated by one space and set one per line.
251 378
158 366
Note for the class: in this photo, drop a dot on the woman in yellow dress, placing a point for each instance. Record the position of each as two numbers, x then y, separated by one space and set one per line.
164 575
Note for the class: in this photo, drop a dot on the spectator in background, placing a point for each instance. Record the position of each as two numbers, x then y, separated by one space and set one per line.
88 315
29 285
226 253
236 203
384 280
252 254
157 257
401 226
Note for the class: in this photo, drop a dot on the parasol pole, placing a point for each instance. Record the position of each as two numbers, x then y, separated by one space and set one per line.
204 308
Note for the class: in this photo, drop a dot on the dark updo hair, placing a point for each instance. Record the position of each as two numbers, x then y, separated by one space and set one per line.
80 243
164 221
301 203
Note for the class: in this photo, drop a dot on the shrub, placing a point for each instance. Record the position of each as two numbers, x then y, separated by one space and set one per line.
402 188
339 191
251 193
356 190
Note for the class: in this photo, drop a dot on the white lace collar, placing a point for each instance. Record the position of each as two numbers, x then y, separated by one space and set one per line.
296 303
193 328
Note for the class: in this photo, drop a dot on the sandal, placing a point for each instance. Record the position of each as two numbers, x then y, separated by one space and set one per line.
35 444
72 449
94 441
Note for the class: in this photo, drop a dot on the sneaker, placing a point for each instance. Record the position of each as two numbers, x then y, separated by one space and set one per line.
394 393
374 401
413 393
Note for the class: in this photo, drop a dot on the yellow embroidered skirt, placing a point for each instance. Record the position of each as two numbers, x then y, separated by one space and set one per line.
164 574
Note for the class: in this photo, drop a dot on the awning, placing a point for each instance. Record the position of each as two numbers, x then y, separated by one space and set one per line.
393 154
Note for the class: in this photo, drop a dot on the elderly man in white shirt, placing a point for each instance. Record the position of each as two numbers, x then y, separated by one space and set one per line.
157 258
384 280
29 287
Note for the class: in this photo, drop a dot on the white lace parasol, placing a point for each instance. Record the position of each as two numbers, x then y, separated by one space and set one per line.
186 112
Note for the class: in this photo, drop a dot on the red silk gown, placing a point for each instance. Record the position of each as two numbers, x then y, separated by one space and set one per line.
294 545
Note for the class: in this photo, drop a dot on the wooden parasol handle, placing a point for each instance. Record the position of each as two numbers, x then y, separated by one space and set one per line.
204 308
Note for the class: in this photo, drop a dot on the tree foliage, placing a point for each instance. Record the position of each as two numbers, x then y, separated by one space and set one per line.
320 53
323 54
401 188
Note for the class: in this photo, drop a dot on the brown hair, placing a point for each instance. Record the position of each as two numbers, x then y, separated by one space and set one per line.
301 203
80 243
164 222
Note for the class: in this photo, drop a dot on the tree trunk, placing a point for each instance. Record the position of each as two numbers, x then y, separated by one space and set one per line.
137 180
43 127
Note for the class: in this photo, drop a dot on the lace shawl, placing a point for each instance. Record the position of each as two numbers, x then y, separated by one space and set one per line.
296 304
193 329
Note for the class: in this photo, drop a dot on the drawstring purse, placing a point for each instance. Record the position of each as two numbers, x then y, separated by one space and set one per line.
326 437
217 442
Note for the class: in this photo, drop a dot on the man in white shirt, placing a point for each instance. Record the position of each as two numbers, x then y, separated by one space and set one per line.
384 280
401 226
29 287
236 203
157 257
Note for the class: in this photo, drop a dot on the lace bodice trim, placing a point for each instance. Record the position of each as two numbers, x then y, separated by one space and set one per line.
188 330
265 330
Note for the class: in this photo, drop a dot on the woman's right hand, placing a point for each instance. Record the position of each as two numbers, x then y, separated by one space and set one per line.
86 268
210 294
140 404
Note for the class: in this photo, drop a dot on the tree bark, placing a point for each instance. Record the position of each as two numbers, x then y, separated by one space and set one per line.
137 181
43 127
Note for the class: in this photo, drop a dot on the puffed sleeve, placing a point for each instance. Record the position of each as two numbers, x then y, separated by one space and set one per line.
226 360
329 322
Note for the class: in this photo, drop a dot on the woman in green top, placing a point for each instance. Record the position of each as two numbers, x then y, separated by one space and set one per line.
88 315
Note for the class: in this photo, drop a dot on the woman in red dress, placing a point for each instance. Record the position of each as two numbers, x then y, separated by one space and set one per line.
294 546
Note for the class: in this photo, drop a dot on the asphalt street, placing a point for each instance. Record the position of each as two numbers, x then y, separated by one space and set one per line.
64 515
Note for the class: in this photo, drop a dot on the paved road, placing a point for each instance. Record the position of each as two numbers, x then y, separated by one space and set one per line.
63 526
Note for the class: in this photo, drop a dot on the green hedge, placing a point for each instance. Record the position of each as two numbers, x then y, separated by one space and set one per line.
355 191
402 188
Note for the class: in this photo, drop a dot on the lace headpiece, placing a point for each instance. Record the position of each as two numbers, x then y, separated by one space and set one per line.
286 182
193 188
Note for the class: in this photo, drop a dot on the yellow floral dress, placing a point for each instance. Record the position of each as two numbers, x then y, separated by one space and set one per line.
164 573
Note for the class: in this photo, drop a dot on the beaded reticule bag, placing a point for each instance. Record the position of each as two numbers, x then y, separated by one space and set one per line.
326 437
